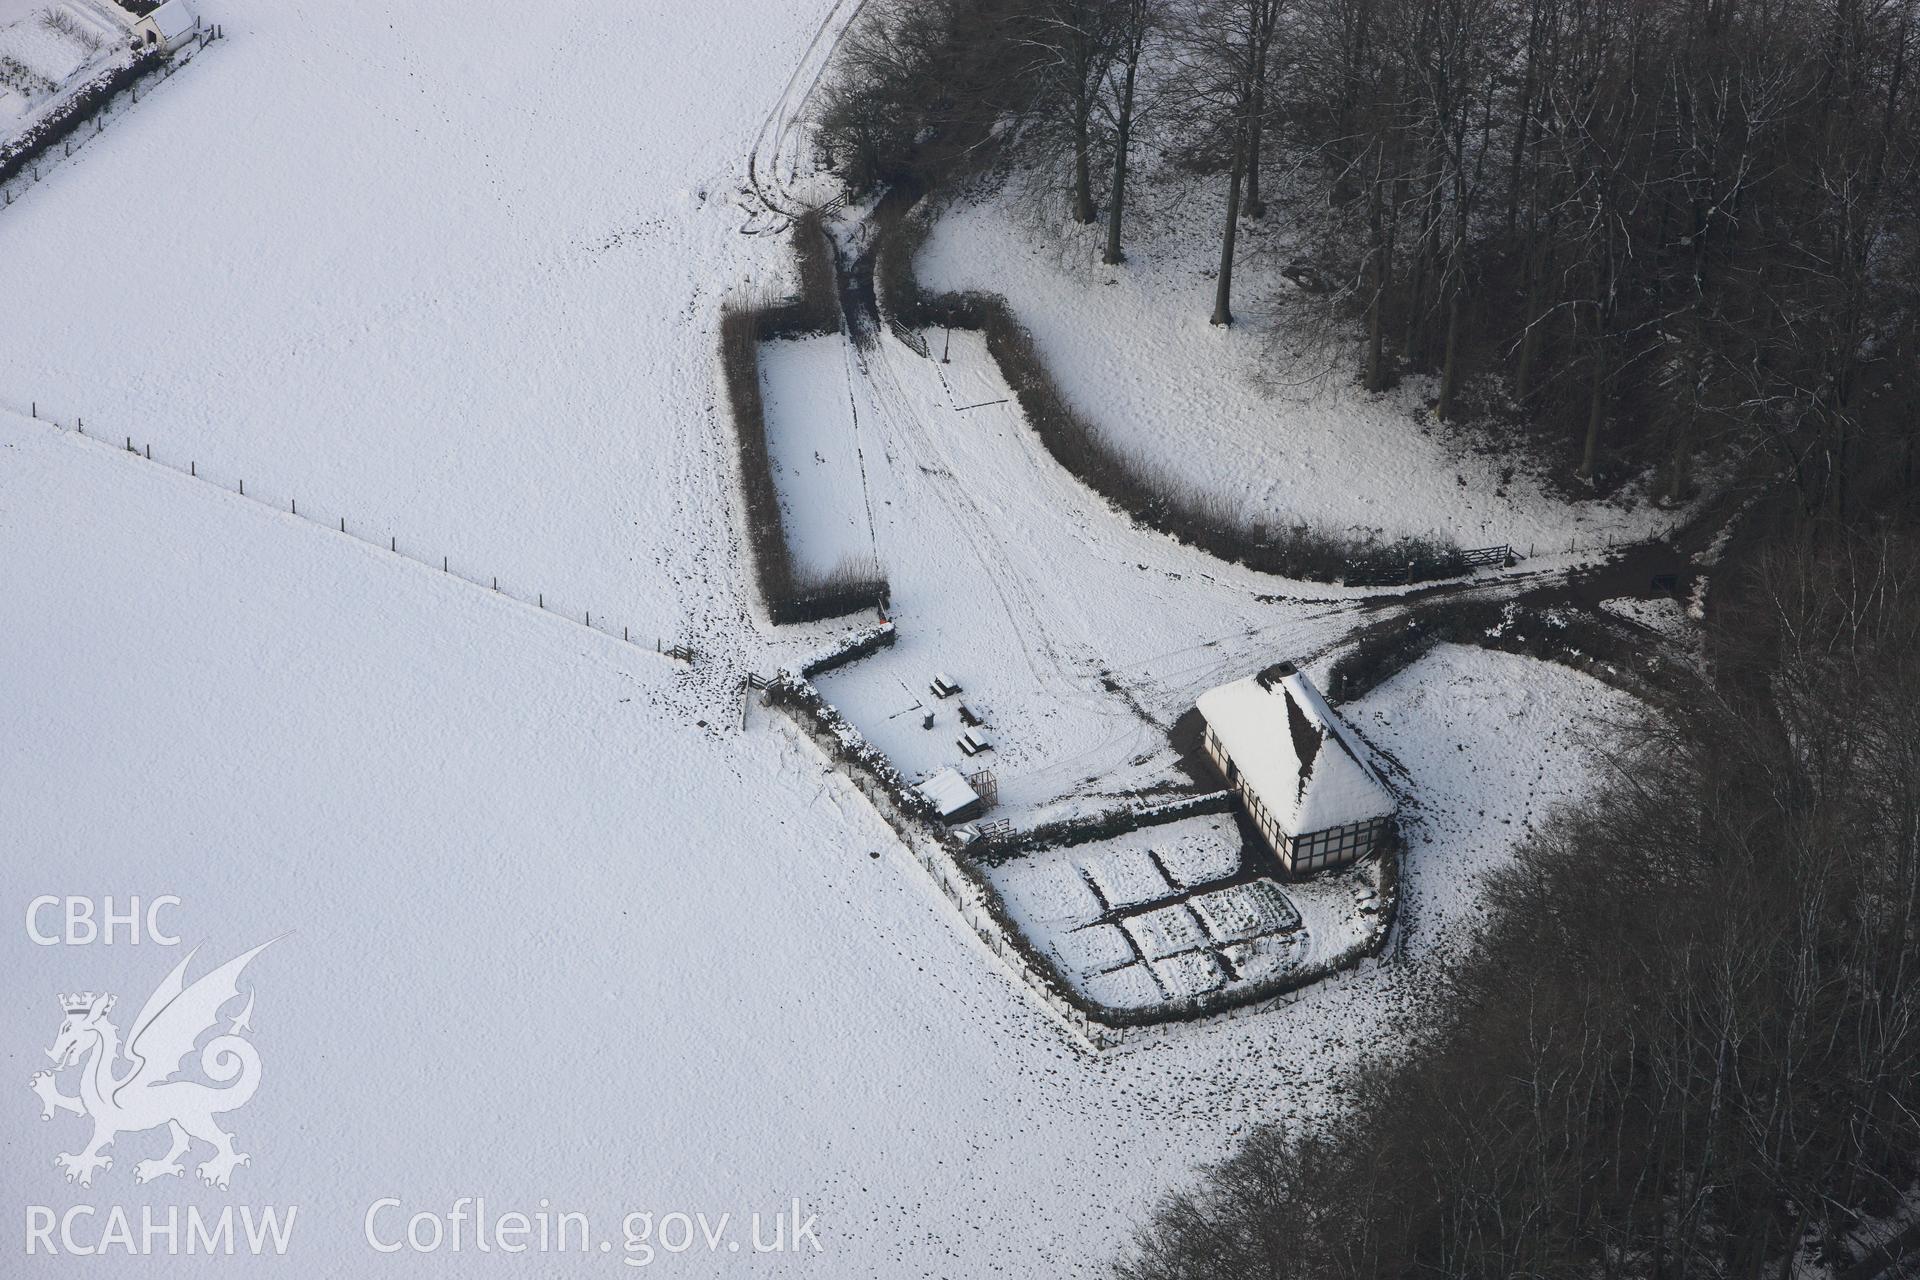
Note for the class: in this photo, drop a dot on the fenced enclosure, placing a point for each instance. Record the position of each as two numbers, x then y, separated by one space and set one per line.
953 863
788 594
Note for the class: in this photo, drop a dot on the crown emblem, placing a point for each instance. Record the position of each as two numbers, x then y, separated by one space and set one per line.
82 1002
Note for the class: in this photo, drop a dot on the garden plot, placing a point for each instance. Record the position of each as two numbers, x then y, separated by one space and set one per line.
1125 873
1266 957
816 455
1194 854
1164 931
1480 743
1242 912
1093 949
1133 987
47 49
1188 973
1146 938
1266 417
1056 892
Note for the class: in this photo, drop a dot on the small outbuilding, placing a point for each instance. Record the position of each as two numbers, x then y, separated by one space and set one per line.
1303 779
952 796
172 24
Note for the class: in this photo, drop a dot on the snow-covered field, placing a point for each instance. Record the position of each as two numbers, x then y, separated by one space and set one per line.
559 927
551 939
459 288
1263 416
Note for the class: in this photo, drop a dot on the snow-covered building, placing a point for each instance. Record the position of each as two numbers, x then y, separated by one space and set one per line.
952 796
171 25
1301 776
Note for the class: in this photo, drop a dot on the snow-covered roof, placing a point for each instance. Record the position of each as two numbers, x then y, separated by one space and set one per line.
1294 753
174 18
949 792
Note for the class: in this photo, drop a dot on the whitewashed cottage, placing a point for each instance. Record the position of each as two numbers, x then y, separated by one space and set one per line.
170 25
1303 779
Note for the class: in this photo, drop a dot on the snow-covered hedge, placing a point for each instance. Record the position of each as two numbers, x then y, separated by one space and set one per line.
75 111
1594 646
799 697
1128 483
1103 826
849 648
788 596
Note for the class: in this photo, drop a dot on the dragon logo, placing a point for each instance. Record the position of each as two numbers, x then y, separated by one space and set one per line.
143 1094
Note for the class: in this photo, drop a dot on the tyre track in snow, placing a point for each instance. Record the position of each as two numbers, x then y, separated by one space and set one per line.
764 179
1054 670
1059 673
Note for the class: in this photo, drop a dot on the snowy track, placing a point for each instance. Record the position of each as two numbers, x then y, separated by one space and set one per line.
775 160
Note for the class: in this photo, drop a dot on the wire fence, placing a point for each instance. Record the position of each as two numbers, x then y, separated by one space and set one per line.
1577 543
385 538
92 119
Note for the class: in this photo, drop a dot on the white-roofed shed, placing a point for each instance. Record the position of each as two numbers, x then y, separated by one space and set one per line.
171 25
951 796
